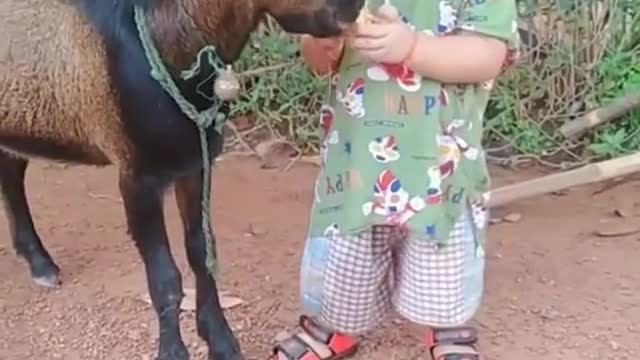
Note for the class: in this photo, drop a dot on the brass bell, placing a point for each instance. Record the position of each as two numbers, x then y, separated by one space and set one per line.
227 86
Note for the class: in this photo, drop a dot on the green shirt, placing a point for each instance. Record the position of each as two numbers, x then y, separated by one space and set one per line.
402 150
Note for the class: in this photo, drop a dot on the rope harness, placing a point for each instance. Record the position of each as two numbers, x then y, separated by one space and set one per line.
226 88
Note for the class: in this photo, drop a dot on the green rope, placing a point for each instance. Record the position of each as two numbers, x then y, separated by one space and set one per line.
203 120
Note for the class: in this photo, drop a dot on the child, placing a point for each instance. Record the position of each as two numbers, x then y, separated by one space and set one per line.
399 219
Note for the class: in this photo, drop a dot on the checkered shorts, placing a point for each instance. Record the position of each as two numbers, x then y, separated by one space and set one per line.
367 274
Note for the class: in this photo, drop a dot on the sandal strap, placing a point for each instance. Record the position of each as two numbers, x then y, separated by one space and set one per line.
465 335
455 352
294 348
338 343
315 330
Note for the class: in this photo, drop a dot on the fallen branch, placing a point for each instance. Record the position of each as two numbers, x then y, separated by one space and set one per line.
585 175
600 116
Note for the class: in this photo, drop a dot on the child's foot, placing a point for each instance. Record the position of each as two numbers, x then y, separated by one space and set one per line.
314 342
453 344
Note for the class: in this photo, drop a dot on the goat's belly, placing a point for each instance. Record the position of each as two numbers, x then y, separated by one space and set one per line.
25 146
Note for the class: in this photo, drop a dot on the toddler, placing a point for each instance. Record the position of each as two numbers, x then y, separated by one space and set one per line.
399 215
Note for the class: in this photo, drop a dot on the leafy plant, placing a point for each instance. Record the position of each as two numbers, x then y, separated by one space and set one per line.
577 55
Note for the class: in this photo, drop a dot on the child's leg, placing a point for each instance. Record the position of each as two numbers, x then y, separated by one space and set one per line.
442 288
351 295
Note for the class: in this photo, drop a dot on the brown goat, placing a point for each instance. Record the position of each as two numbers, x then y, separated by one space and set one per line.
75 86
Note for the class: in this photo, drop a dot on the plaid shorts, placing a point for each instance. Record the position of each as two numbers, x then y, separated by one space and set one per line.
365 275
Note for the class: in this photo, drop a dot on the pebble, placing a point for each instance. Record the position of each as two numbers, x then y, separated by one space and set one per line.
512 217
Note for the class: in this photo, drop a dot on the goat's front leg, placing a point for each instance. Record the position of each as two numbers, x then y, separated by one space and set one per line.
142 197
211 322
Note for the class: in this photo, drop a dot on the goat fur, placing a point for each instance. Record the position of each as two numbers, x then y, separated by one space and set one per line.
56 79
75 86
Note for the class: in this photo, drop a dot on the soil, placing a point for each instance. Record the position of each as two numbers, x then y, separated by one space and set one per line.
555 288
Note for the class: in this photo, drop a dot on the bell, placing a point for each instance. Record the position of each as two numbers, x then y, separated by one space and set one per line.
227 86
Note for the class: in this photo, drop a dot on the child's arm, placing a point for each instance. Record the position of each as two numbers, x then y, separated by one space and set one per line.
322 56
475 53
463 58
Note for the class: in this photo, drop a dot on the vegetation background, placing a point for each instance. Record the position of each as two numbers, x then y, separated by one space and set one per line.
577 55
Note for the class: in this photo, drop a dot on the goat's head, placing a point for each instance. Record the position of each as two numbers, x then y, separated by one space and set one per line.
321 18
182 27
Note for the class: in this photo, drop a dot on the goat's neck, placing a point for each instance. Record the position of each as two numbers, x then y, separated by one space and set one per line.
181 28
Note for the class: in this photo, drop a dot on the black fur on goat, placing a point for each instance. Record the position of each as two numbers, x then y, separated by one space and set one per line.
75 86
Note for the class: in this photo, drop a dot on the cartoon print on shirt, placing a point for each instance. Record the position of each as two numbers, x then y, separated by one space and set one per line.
392 201
479 211
448 18
353 98
330 137
487 85
327 116
384 149
407 79
451 149
434 189
316 192
332 231
468 27
444 97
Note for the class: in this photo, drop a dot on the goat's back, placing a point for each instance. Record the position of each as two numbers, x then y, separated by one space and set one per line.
54 84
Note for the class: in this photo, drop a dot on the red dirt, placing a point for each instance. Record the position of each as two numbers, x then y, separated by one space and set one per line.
554 289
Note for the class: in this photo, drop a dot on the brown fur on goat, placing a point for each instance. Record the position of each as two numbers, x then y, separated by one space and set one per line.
54 83
75 85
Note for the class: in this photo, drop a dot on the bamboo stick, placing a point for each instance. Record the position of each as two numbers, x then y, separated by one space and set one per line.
585 175
600 116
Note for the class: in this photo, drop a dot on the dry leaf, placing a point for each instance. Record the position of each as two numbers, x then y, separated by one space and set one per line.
275 153
228 302
513 217
312 159
189 300
255 230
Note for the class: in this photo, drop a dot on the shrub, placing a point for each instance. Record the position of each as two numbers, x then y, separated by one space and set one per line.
577 55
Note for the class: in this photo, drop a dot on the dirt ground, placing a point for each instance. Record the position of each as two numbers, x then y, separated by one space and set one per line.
555 289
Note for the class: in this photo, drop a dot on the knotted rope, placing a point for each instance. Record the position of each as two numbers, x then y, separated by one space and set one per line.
202 119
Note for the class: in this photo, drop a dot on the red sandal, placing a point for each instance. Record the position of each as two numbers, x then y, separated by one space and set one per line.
315 342
453 344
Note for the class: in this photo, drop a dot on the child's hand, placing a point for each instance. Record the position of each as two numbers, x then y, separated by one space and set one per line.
386 39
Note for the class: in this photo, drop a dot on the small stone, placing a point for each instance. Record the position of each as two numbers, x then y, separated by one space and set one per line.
512 217
621 212
614 345
549 314
617 228
255 230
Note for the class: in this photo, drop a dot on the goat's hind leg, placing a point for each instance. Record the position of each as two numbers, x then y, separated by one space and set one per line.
211 322
26 241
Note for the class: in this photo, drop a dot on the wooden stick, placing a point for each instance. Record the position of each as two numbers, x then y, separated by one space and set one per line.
587 174
602 115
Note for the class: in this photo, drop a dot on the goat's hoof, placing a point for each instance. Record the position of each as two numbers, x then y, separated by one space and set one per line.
176 352
48 281
46 274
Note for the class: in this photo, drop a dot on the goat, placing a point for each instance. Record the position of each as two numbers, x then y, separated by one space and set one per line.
75 86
